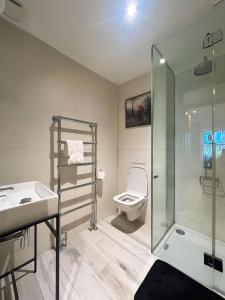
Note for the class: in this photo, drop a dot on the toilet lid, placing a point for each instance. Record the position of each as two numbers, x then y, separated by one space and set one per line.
137 180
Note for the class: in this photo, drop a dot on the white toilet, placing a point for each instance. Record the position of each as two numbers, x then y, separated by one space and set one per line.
133 201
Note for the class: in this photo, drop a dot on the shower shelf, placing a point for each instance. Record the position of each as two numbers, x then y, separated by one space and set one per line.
207 186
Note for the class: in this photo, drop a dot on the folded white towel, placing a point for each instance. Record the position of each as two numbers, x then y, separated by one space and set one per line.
75 151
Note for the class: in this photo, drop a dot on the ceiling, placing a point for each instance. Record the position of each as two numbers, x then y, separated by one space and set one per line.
99 35
190 52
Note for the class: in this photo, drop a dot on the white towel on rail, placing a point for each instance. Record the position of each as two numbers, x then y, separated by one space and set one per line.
75 151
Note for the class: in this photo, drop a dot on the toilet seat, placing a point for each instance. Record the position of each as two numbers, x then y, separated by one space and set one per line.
129 198
137 187
133 201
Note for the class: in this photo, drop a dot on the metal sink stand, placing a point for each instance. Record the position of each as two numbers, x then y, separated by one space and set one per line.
55 231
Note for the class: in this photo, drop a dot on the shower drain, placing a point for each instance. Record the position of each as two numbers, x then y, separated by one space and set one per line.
166 246
179 231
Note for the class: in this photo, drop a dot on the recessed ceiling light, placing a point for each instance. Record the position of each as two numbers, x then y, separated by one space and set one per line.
194 111
162 60
131 10
186 113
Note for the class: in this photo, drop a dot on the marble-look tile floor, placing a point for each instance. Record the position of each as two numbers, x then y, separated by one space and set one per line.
102 265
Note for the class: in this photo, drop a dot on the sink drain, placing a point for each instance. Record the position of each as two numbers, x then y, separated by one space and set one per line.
180 231
25 200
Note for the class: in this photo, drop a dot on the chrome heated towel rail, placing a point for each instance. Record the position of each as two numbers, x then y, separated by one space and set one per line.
57 120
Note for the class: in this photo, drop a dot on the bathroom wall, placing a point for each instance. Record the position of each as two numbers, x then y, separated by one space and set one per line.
37 82
134 144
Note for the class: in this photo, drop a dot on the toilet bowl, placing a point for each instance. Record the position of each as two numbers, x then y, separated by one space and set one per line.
134 200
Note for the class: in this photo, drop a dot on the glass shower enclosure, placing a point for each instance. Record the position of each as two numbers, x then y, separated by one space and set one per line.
188 157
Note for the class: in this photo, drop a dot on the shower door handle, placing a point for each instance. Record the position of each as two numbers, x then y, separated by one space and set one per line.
156 176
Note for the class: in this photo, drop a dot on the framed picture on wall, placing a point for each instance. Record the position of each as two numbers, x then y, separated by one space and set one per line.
138 110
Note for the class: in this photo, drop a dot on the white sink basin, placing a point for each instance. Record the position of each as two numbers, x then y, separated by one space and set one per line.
37 202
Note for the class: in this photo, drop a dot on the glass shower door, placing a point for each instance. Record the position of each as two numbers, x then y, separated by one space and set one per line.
163 137
218 243
188 156
182 205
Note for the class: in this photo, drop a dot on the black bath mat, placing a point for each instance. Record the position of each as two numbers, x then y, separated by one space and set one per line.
164 282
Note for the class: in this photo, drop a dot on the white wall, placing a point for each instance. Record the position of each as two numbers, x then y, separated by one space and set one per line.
133 142
37 82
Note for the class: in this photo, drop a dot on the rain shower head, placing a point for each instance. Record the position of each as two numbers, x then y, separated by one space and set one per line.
203 68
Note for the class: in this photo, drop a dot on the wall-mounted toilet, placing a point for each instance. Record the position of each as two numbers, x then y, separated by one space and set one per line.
133 201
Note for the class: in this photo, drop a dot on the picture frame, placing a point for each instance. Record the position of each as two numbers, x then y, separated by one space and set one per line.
138 111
